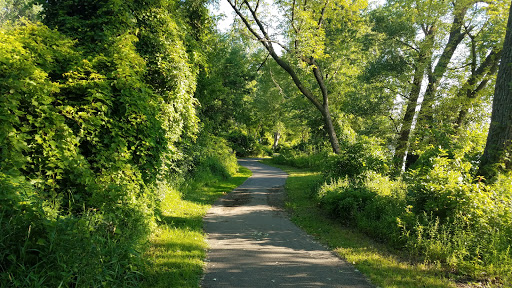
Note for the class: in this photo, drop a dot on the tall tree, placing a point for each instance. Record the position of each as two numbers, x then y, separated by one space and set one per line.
307 25
411 36
13 10
440 30
224 88
499 139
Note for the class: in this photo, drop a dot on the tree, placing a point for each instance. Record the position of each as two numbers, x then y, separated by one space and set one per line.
411 37
472 21
307 49
497 147
14 10
226 86
426 35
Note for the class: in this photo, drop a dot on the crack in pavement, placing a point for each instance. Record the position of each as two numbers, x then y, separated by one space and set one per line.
252 243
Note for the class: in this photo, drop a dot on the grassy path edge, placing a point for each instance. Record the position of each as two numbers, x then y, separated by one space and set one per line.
177 248
384 268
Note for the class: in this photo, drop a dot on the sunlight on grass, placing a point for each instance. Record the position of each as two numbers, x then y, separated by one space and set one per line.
383 267
177 247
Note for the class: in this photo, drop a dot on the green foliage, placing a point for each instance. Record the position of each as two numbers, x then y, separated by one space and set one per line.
438 212
89 130
14 10
292 157
226 87
213 158
364 154
243 144
384 267
69 166
42 248
460 222
371 202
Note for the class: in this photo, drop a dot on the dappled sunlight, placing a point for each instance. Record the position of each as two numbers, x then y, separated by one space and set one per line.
177 247
253 244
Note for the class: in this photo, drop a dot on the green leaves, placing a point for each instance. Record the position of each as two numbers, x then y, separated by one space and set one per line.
95 114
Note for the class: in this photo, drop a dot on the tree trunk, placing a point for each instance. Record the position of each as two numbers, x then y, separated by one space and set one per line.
500 130
277 135
332 133
405 131
455 38
322 106
481 76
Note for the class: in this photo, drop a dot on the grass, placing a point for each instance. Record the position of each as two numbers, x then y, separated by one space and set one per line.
177 247
385 268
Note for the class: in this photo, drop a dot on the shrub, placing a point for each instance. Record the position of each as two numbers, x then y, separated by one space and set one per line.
83 140
212 157
371 202
355 158
311 160
456 221
40 247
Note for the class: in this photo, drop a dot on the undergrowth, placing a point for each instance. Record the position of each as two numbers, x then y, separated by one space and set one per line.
384 266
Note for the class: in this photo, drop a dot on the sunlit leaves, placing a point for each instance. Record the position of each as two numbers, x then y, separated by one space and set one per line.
91 121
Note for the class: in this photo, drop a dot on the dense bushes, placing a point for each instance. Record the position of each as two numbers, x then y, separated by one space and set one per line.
42 246
437 212
289 156
213 158
364 154
370 202
356 157
85 140
246 145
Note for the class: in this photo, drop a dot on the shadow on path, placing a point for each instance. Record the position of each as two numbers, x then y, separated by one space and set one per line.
253 244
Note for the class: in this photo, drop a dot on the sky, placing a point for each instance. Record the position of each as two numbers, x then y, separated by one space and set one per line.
226 10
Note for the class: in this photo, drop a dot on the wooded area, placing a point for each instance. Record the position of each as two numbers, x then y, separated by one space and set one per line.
108 105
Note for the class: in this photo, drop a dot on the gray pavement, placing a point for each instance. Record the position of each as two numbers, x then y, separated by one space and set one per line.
252 243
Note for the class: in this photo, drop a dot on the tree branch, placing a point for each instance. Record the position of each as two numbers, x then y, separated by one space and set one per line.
263 63
320 80
322 14
247 24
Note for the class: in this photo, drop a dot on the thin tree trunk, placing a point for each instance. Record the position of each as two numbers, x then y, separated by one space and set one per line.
435 75
330 130
277 136
500 130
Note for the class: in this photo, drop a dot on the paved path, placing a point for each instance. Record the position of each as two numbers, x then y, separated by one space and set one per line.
253 244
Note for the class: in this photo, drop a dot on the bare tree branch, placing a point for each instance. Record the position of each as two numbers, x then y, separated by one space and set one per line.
247 24
263 63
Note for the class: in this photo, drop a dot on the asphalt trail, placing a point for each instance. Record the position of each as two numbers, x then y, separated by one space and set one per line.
252 243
